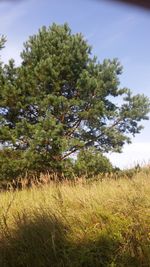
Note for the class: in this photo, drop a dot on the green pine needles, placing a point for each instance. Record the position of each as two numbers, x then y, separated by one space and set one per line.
60 101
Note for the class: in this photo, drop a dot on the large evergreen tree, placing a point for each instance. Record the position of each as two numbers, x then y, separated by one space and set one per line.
61 100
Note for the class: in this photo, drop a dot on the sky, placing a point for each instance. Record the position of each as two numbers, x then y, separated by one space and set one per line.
114 31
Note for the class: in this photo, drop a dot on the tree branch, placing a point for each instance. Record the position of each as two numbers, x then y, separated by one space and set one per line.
74 127
77 147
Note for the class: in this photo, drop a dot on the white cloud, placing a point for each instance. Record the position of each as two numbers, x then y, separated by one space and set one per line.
131 155
9 16
12 50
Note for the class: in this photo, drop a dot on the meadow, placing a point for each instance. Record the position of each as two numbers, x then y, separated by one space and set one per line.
104 223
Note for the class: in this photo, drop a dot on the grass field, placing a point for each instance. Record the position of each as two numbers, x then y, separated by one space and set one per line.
97 224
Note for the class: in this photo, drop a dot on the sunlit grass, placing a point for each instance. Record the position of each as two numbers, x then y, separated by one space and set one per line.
95 224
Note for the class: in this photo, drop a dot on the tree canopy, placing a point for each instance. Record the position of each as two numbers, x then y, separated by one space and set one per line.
61 100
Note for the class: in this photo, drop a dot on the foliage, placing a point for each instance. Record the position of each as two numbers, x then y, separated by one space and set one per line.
2 42
91 162
11 163
61 100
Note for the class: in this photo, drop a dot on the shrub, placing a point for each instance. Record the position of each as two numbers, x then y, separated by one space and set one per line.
90 162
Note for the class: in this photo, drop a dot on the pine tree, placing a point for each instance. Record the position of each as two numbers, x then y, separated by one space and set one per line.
61 100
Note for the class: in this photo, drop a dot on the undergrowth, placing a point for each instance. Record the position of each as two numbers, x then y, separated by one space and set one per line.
101 224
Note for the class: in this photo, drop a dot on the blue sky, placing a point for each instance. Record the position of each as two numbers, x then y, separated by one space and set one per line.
113 30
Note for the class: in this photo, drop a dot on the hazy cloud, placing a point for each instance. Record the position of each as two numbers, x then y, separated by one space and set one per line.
133 154
11 1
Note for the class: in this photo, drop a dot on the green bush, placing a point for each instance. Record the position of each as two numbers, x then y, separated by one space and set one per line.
90 162
11 164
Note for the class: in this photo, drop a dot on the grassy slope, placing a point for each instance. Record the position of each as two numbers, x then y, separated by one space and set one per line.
102 224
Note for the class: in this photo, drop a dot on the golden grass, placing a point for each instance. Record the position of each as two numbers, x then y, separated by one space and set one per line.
96 224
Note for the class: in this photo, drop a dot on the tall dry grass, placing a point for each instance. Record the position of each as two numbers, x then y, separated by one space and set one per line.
99 224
